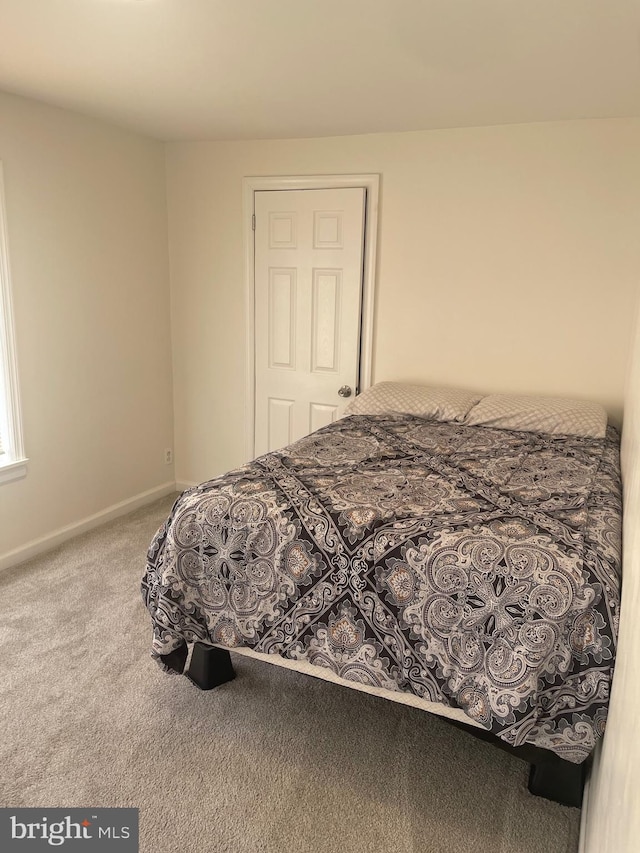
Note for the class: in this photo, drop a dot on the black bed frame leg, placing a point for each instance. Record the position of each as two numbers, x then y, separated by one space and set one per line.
209 667
562 782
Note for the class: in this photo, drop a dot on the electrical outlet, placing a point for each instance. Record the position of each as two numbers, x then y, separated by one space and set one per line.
168 456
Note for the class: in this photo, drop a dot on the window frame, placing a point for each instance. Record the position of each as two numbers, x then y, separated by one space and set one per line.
13 462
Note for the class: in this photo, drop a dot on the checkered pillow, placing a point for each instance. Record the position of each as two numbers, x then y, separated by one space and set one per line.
441 404
552 415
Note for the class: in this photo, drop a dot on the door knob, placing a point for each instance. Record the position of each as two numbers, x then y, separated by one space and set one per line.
345 391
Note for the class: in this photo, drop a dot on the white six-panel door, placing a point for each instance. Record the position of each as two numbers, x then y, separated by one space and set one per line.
308 291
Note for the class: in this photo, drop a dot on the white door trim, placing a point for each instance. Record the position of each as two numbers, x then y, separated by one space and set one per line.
252 185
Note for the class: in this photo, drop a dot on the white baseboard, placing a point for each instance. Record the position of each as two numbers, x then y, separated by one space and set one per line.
589 785
181 485
45 543
582 842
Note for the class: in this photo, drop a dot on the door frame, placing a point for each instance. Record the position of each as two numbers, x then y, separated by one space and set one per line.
251 185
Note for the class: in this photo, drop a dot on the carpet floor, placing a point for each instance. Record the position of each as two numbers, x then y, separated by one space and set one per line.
272 761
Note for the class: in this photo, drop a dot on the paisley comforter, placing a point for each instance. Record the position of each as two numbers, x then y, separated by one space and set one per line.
470 566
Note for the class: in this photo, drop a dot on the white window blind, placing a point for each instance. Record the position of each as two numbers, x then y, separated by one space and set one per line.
12 457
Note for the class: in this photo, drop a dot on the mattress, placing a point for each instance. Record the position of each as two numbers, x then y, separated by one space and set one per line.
471 570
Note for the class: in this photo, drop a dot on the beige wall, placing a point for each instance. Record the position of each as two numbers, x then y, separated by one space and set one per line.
612 817
508 260
86 211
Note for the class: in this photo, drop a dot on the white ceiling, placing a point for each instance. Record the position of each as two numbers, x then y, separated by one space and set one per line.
242 69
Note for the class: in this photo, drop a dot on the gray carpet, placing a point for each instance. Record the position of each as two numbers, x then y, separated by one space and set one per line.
273 761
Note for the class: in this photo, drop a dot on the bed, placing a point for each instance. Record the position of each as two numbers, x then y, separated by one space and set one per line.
449 550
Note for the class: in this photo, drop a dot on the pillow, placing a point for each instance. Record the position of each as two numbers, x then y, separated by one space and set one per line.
553 415
441 404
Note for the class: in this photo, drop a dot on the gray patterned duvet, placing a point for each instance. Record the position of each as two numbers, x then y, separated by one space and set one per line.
473 567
